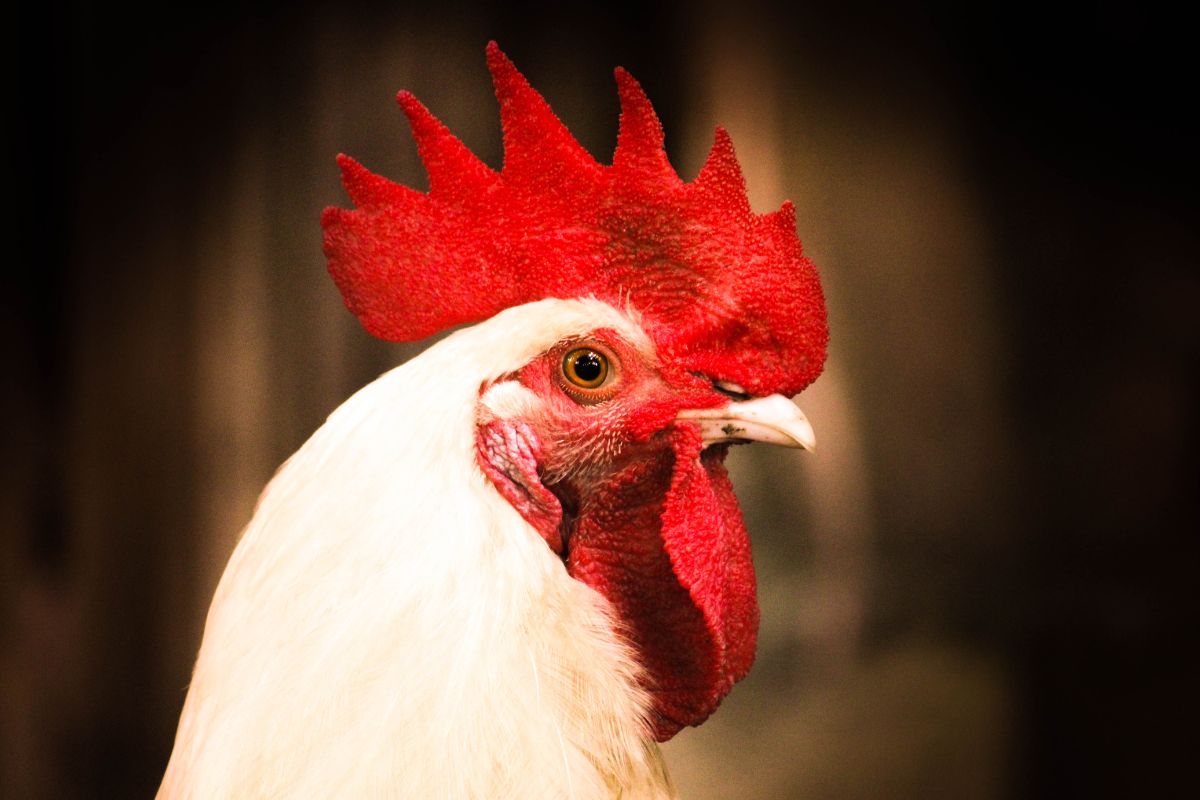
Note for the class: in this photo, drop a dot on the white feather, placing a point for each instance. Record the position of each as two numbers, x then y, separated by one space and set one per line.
389 626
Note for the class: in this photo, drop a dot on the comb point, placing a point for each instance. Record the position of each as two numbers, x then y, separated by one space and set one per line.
366 189
538 148
721 180
640 133
783 218
454 171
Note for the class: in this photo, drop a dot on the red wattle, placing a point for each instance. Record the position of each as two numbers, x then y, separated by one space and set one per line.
663 540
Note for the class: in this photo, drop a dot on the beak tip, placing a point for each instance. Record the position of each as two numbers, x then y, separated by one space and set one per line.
773 419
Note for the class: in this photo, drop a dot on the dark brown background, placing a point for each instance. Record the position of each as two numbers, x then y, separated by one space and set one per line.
982 585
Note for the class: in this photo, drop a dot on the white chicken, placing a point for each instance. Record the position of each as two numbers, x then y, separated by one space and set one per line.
508 567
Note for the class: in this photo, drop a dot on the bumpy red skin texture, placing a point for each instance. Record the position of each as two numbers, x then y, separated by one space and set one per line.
663 540
651 521
508 452
722 289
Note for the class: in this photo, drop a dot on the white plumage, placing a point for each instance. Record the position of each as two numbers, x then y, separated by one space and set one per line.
389 625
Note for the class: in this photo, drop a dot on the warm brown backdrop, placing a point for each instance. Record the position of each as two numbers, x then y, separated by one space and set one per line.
981 585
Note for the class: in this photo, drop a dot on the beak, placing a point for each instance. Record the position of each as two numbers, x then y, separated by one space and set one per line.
773 419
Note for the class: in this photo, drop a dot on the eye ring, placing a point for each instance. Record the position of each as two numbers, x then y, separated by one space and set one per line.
585 367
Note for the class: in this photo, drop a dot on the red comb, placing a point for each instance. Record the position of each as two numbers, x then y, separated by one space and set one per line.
721 290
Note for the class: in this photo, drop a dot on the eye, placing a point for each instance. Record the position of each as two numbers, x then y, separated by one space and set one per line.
589 371
585 368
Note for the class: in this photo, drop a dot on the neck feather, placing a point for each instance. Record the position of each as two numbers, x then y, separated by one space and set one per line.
388 623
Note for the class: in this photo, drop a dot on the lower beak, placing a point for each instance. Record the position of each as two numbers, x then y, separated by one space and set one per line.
773 419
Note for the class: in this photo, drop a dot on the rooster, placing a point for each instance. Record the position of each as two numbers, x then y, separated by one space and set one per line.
511 566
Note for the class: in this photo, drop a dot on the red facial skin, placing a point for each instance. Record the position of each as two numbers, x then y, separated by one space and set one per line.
621 491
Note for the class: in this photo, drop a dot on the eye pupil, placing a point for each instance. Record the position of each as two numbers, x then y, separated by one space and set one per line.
589 367
586 368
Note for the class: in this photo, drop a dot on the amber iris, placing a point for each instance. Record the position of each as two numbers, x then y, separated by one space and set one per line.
585 368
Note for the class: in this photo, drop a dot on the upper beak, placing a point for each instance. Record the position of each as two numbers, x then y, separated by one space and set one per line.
773 419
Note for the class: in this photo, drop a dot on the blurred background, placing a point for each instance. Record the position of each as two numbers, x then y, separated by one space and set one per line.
982 584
